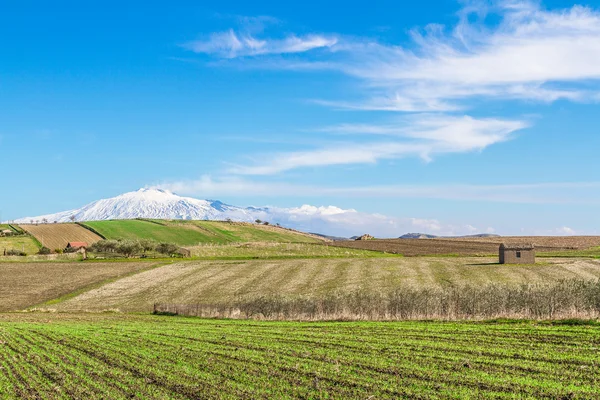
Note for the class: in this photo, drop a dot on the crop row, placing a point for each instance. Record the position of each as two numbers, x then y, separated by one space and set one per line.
158 357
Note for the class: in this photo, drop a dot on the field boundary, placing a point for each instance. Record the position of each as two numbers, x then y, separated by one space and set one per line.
563 300
16 229
89 228
152 221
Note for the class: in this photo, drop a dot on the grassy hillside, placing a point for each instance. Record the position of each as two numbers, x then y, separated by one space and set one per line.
225 281
270 250
158 357
190 233
21 243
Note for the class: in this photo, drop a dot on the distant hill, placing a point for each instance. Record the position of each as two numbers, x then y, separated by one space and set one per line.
428 236
334 238
480 235
417 236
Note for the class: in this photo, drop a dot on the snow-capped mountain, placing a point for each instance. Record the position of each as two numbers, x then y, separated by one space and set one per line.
162 204
151 203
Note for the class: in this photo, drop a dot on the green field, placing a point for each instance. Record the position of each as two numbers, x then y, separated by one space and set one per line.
120 356
6 226
190 233
270 250
593 252
21 243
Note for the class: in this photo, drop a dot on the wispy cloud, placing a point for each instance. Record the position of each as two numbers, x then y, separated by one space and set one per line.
528 53
527 193
424 136
532 53
232 44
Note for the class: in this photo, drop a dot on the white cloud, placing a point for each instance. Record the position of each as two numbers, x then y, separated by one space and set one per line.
565 230
231 44
423 136
336 221
531 53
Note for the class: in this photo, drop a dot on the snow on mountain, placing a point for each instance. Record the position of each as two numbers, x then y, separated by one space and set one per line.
151 203
156 203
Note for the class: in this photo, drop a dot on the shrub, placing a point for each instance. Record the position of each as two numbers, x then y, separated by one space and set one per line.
59 251
148 245
572 300
129 248
13 252
45 251
168 249
104 246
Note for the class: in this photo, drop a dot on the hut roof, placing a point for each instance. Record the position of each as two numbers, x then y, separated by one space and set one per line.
77 244
517 246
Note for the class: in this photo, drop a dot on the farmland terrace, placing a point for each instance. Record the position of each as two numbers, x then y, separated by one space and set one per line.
191 282
190 233
468 247
56 236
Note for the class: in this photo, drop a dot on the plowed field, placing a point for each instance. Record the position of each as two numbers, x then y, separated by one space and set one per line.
56 236
470 246
224 281
24 285
541 242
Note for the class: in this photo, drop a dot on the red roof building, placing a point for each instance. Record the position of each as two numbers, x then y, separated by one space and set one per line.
76 245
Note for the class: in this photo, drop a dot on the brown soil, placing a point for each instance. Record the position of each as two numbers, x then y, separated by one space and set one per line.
56 236
197 282
470 246
27 284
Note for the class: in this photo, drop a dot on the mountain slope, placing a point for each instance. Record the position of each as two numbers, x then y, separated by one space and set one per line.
152 204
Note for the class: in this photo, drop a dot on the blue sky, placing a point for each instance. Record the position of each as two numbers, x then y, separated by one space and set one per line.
455 117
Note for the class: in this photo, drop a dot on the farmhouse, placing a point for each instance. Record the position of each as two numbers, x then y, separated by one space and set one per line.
517 254
6 232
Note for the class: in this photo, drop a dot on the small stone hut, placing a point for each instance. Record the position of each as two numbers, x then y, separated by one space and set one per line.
517 254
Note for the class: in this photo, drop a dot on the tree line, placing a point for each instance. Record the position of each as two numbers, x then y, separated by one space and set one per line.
130 248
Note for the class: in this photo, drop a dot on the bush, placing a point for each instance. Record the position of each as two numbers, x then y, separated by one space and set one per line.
59 251
13 252
572 300
168 249
148 245
129 248
45 251
104 246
